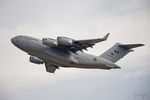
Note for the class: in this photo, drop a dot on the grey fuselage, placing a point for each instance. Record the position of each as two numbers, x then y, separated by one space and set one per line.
60 56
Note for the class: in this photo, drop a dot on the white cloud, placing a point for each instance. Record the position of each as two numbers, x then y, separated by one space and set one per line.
127 21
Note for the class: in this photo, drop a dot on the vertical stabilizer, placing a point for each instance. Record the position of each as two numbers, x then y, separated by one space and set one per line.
118 51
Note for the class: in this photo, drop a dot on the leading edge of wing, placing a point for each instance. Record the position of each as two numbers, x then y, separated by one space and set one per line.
93 40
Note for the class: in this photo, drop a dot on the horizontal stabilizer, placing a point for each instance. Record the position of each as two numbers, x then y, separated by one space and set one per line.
130 46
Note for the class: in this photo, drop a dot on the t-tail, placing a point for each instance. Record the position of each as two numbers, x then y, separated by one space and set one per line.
118 51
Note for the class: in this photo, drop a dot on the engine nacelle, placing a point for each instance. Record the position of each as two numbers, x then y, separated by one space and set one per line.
35 60
49 42
65 41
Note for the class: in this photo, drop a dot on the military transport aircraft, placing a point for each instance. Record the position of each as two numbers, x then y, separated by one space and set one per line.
67 52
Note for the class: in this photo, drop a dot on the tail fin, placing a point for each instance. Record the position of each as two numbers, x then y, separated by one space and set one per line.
118 51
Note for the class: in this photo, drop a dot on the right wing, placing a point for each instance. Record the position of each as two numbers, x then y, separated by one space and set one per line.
93 40
71 44
79 45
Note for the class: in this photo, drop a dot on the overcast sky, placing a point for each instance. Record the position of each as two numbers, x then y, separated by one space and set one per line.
128 21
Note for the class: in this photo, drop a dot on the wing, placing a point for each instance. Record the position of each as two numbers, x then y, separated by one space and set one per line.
79 45
50 68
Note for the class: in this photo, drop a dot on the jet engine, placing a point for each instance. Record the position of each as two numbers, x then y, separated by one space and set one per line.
35 60
65 41
49 42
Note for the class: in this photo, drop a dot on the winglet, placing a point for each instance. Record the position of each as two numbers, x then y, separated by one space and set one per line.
106 36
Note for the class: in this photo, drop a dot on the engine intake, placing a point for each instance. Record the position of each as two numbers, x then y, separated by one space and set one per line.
49 42
65 41
35 60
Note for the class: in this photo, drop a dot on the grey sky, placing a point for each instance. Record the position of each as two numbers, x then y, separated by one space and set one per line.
126 20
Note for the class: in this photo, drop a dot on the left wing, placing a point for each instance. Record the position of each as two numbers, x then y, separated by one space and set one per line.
51 68
79 45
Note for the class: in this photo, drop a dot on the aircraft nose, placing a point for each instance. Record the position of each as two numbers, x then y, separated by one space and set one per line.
14 40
